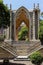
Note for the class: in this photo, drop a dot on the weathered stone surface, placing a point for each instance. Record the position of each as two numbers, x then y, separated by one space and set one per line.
5 54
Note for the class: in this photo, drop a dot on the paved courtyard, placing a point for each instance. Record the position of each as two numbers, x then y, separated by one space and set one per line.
12 62
23 62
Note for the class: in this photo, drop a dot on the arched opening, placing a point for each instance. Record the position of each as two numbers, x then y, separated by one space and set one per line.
22 15
22 32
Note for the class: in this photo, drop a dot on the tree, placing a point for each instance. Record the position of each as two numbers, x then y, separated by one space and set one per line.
23 34
4 15
1 1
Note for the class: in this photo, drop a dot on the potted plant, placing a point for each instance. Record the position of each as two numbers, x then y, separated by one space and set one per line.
36 58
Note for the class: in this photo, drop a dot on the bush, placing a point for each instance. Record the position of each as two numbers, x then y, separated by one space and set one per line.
23 33
36 58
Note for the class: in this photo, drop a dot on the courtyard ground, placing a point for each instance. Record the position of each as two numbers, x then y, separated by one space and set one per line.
12 62
23 62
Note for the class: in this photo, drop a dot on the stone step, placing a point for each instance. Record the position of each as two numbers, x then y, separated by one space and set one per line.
22 49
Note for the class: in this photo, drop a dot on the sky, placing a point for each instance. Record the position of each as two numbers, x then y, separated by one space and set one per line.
26 3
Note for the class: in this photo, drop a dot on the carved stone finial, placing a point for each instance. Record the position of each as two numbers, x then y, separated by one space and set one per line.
38 5
34 5
6 5
10 7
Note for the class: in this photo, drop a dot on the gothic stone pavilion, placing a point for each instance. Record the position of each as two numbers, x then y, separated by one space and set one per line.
31 19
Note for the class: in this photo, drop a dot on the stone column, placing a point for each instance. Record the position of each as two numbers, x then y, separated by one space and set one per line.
14 28
38 25
34 23
7 33
38 18
10 22
30 30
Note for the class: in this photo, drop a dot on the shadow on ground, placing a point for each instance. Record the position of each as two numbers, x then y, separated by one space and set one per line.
11 64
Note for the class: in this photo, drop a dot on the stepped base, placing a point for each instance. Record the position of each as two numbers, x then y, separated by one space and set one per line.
23 48
22 57
35 40
8 40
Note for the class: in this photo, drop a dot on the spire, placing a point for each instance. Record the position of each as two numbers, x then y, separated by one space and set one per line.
34 6
38 5
6 5
10 7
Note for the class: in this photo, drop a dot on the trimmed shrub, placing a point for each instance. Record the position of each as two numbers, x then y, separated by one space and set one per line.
36 58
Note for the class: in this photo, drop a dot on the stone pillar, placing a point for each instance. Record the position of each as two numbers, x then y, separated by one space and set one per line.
38 18
34 23
10 22
30 30
14 28
38 25
7 33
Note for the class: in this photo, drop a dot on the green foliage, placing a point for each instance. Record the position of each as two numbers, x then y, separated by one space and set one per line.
41 30
4 15
1 1
23 33
36 58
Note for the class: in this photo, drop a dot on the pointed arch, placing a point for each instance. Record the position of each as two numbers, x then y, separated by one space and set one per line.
22 15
